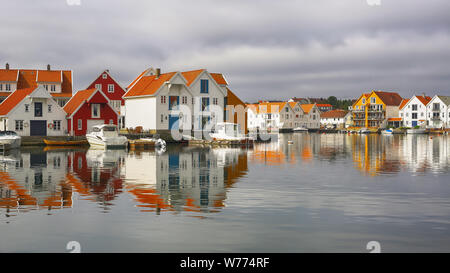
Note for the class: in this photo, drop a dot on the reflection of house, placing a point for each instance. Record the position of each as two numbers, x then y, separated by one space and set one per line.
32 112
111 89
438 110
57 82
88 108
413 112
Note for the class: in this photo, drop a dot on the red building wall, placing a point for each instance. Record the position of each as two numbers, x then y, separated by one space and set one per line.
118 91
85 114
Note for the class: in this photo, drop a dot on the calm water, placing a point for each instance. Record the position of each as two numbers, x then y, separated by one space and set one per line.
324 193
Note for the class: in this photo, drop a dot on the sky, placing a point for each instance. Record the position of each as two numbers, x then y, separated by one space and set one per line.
266 49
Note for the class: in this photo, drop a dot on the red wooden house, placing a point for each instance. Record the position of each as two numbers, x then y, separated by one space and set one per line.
88 108
111 88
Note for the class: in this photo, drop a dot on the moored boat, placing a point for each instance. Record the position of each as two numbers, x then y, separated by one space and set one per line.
416 131
66 142
10 140
230 133
300 129
387 132
106 136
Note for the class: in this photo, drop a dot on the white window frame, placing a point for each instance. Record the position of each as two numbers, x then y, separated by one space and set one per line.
19 125
93 107
53 88
98 86
80 124
105 76
110 88
57 125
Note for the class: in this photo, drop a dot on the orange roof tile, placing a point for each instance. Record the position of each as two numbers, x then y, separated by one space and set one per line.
424 99
338 113
138 78
292 104
394 119
219 78
9 75
324 105
404 102
271 107
190 76
306 107
49 76
13 99
148 85
77 99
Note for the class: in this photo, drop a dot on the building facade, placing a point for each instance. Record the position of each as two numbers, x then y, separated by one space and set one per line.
334 118
438 112
413 112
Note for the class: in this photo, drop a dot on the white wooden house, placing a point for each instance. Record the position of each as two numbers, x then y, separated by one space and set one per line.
438 112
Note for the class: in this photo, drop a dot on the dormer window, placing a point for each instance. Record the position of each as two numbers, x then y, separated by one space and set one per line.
46 86
105 76
8 87
53 88
1 87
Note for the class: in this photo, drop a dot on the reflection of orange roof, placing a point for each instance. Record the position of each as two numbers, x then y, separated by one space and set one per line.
13 100
306 107
395 119
219 78
9 75
148 85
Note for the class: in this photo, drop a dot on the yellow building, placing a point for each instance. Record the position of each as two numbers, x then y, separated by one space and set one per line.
372 110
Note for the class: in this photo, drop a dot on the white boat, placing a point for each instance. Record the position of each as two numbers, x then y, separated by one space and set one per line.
300 129
364 131
387 132
106 136
10 140
229 131
416 131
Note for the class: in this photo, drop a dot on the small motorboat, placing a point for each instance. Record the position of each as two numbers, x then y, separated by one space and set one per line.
416 131
387 132
300 129
66 143
364 131
10 140
106 136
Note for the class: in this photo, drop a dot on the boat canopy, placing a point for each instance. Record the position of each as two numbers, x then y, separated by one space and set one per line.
105 128
8 133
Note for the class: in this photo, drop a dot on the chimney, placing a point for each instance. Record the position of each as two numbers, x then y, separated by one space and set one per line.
158 72
423 94
7 66
48 67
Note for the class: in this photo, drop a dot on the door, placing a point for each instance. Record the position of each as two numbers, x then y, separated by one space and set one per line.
173 122
414 123
93 122
38 128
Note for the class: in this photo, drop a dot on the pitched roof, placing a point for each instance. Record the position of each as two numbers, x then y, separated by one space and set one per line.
271 107
9 75
403 103
148 85
138 78
306 107
79 98
49 76
233 99
389 98
292 103
338 113
14 99
424 99
219 78
190 76
445 99
324 105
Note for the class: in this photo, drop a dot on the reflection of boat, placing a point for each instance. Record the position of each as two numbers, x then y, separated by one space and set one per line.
226 131
364 131
147 142
106 136
10 140
66 142
387 132
300 129
416 131
103 158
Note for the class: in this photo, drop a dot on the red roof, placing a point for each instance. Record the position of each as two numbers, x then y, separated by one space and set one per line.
49 76
389 98
190 76
424 99
8 75
219 78
79 98
14 99
334 114
394 119
404 102
324 105
148 85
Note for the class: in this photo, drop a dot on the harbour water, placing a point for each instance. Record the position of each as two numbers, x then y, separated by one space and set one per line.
323 193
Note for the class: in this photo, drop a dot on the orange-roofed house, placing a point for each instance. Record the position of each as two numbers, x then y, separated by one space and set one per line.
324 107
271 116
374 109
413 112
32 112
88 108
57 82
311 117
438 112
176 100
334 118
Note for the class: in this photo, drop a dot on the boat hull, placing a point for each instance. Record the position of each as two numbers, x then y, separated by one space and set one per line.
119 142
416 131
11 143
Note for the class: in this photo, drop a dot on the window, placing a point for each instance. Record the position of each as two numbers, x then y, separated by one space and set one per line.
414 107
162 118
372 100
46 86
57 125
8 87
61 103
163 99
105 76
27 108
80 124
205 104
53 88
1 87
215 101
204 86
111 121
98 86
95 110
193 100
173 102
49 108
111 88
414 115
19 125
363 101
38 109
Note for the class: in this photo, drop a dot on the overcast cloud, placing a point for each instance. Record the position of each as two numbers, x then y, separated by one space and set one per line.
266 49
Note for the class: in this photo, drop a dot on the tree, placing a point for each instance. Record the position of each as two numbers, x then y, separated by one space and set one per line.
333 101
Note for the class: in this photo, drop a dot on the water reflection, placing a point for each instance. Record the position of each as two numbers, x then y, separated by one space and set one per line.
188 179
